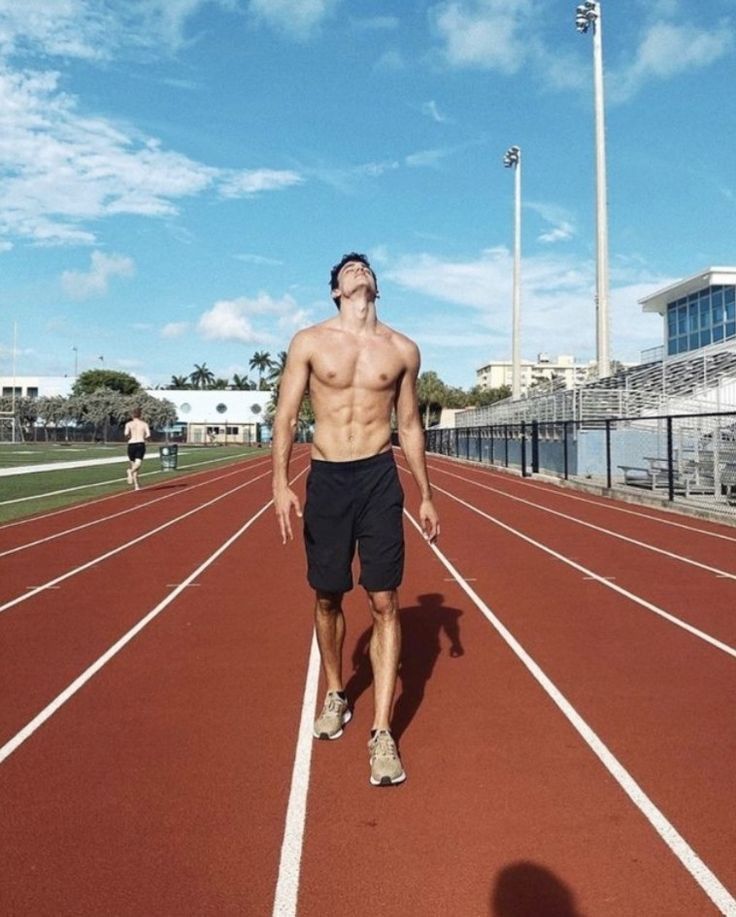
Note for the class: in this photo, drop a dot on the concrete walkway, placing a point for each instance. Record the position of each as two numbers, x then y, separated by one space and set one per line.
59 466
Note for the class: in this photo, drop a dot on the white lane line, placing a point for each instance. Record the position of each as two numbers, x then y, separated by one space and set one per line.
555 490
131 509
705 878
640 544
128 544
287 884
724 647
9 747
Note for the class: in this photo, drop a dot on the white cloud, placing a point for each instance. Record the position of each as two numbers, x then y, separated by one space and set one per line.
94 282
488 34
251 258
668 49
562 226
174 329
432 111
232 320
426 158
93 30
253 181
64 168
557 302
296 18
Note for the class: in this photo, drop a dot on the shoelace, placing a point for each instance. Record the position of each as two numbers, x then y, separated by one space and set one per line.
333 704
384 746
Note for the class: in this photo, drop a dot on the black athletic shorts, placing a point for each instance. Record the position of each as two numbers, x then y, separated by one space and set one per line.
354 502
136 451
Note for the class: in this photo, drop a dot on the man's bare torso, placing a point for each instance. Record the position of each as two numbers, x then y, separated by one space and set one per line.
353 381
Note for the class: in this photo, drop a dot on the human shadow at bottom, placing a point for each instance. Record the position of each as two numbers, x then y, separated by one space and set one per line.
526 889
421 628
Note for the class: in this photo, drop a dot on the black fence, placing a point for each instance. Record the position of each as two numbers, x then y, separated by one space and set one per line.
675 457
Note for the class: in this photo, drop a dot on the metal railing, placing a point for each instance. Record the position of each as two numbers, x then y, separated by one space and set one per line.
673 458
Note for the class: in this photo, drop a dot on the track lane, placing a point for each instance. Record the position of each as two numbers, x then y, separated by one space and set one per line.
707 542
657 696
496 777
161 788
702 598
57 633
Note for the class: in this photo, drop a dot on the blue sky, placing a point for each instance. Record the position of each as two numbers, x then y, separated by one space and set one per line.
178 176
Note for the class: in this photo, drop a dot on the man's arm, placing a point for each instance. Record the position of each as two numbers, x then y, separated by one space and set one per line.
291 391
411 440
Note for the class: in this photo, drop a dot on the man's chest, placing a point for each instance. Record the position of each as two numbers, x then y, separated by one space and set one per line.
374 367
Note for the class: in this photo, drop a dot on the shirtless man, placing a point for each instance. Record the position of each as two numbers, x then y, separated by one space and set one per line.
356 370
136 432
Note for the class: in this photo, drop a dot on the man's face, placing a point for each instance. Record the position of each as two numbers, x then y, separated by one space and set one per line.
353 276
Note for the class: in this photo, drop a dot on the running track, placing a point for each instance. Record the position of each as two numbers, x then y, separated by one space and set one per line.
565 711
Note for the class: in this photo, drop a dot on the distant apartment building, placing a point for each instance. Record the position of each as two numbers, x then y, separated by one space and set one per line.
546 373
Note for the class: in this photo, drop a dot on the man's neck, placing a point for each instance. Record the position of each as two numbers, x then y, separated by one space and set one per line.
358 313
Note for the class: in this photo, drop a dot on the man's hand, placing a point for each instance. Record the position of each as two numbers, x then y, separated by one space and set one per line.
283 500
429 520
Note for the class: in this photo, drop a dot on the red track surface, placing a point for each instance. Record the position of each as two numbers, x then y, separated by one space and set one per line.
160 784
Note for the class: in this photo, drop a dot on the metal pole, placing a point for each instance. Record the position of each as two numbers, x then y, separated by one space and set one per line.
516 329
12 400
602 330
512 159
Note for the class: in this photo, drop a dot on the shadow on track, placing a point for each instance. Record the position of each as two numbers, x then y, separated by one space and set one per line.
527 889
421 627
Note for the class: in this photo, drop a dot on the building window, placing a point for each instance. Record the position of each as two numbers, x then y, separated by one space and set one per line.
221 408
700 319
32 391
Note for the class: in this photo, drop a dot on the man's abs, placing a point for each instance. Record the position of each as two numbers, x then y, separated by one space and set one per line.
350 443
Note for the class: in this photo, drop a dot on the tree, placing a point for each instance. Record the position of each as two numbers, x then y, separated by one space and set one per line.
261 362
480 397
277 368
179 382
93 379
242 383
220 384
202 376
430 394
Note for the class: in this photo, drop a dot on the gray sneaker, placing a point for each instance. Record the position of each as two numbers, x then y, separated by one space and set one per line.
386 769
335 714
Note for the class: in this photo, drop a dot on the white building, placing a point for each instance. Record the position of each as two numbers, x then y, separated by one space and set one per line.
698 312
217 415
563 372
36 386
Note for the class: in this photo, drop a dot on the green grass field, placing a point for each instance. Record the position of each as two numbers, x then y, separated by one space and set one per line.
38 492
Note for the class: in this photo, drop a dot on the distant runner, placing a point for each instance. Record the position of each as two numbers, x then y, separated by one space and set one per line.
136 432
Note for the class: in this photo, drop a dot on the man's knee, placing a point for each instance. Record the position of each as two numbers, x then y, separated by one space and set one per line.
384 605
328 603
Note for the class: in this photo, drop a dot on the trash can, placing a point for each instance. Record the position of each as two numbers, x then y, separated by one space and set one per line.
169 457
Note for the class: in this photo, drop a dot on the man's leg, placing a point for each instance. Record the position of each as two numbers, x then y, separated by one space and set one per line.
330 628
385 649
134 471
329 623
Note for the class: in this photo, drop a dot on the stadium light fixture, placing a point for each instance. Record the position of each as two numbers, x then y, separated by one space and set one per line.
587 17
512 160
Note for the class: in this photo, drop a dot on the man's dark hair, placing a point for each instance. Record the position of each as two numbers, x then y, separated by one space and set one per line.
346 259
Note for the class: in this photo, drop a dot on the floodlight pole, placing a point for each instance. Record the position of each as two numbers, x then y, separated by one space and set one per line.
588 15
513 159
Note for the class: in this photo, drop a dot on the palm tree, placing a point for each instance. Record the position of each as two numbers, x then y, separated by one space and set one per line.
202 377
260 361
220 384
277 368
242 383
430 393
179 382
